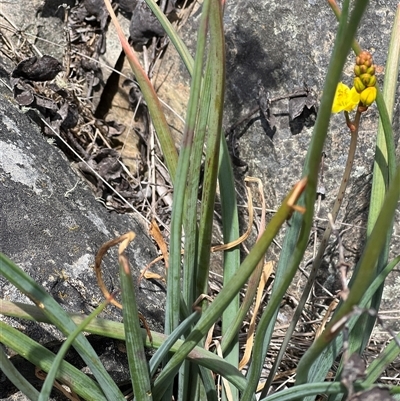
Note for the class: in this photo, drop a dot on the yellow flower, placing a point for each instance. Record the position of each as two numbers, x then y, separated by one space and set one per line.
345 98
368 96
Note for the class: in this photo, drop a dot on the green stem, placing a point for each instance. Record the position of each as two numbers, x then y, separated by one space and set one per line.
321 250
172 315
361 282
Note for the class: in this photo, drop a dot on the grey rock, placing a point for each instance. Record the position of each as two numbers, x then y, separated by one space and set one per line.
98 9
51 226
286 45
41 21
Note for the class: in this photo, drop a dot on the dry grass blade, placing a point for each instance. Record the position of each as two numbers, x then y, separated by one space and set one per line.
228 391
266 273
41 375
326 318
230 245
261 277
156 234
150 275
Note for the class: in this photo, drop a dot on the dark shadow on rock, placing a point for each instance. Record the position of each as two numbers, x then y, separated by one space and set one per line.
305 119
268 127
249 59
54 8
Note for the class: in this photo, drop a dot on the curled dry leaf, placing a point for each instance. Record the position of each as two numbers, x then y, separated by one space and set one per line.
37 69
144 25
298 104
98 9
23 92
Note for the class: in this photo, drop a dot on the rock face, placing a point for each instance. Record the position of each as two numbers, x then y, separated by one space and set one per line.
52 226
286 46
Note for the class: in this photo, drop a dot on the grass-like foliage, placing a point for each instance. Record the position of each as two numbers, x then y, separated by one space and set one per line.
181 368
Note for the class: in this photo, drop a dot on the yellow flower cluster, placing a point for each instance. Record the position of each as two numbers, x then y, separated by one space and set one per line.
363 92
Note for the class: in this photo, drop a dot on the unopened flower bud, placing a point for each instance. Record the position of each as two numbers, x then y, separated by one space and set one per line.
364 70
358 84
371 70
368 96
365 79
364 58
372 81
